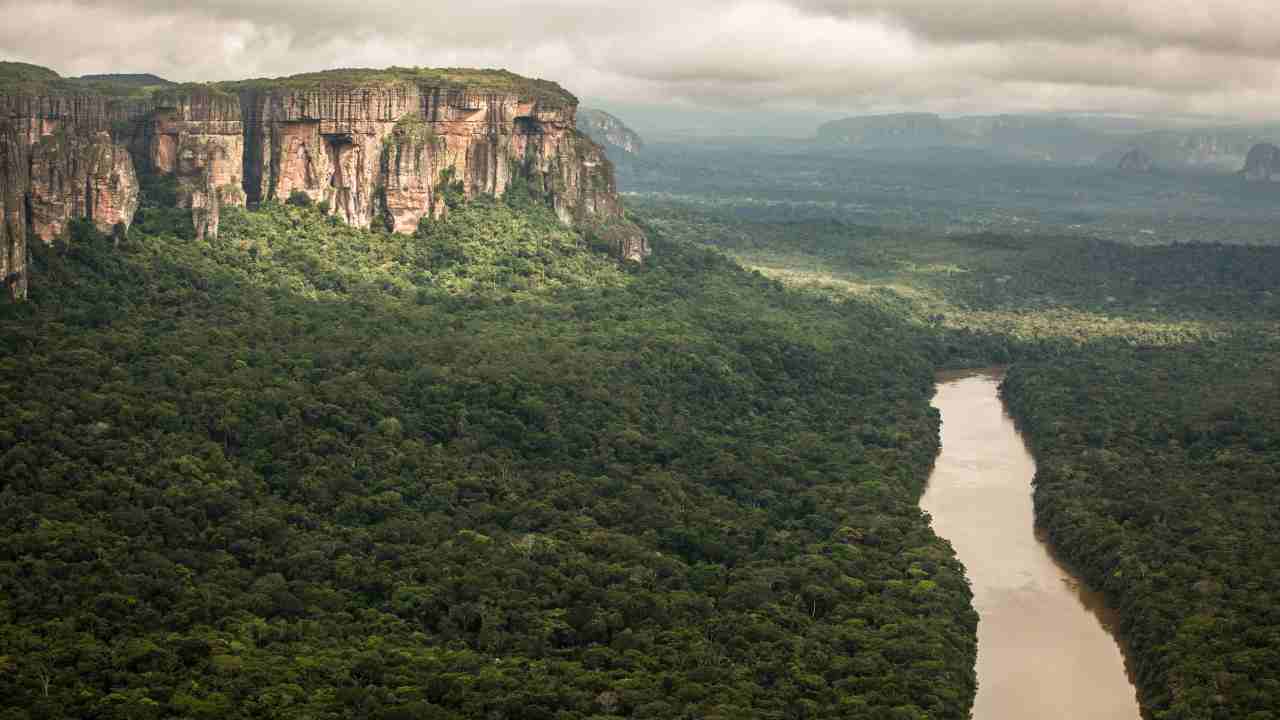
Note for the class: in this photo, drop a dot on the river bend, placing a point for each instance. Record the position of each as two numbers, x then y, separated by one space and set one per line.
1044 650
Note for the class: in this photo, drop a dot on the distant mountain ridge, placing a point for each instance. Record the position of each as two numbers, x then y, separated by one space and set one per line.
1024 136
609 131
138 79
1054 139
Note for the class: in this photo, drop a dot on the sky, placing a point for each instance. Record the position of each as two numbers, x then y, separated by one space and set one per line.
1210 57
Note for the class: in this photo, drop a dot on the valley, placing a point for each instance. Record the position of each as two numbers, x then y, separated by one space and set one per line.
1141 367
393 394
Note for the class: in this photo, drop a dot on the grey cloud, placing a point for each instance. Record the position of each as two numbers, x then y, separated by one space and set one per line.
1228 27
998 55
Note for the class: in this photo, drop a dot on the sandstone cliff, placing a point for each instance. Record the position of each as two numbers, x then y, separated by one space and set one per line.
609 131
14 181
373 147
1262 163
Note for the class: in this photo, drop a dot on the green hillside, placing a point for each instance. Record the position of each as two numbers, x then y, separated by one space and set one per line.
308 471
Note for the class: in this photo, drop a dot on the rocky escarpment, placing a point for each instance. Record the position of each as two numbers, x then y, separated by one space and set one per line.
1262 164
609 131
14 181
59 161
376 148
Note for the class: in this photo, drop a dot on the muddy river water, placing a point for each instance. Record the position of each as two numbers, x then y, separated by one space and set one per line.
1044 650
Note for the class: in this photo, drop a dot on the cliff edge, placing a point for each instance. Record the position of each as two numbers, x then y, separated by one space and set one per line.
374 147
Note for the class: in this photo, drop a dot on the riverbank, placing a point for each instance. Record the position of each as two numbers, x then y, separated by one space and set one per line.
1045 648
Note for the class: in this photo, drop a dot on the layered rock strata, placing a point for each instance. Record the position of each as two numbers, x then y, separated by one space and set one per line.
382 149
14 180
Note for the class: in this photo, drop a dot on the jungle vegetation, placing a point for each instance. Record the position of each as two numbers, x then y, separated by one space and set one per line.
309 471
1143 374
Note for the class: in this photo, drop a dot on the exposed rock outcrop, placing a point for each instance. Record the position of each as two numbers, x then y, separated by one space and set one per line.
609 131
1136 161
79 174
14 180
373 147
1262 164
197 136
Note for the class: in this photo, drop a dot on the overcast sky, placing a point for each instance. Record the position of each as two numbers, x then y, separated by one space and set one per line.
1217 57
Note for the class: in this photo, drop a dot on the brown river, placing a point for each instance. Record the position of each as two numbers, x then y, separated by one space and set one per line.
1044 648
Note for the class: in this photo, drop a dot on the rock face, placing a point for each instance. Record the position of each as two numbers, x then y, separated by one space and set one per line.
1136 161
197 136
389 156
1262 163
53 171
14 181
609 131
80 174
373 147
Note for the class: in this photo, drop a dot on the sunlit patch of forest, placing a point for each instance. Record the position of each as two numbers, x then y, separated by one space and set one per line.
1056 289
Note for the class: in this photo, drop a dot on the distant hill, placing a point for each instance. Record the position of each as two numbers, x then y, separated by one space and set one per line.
1055 139
136 79
609 131
902 130
1047 139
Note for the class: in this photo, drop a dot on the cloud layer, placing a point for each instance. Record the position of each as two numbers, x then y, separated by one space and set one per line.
1201 56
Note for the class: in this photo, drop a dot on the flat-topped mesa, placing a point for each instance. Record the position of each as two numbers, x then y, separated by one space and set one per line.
372 146
59 161
386 146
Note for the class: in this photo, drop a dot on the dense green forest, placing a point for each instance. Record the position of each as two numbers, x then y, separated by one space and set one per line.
1145 379
309 471
1158 477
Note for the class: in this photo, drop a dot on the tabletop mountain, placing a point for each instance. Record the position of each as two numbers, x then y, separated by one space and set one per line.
372 147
